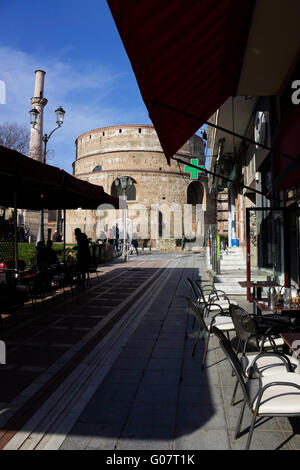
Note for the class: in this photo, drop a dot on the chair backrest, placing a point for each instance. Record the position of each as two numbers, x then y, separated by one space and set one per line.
207 287
197 311
233 359
244 325
201 292
195 290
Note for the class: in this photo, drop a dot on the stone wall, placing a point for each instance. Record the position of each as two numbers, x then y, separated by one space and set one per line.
104 154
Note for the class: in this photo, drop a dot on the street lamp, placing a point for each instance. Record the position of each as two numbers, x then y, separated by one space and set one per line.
60 114
124 182
33 116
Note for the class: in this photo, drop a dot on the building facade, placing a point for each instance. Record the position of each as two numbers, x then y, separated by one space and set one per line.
263 183
159 192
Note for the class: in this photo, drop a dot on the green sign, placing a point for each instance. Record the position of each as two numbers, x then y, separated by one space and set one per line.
193 171
218 246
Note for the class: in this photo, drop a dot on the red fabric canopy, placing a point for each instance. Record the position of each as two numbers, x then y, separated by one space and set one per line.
186 55
42 186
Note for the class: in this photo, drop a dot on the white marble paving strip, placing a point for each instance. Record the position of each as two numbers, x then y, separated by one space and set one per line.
19 401
72 396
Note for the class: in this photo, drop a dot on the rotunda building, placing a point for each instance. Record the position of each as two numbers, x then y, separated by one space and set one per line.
104 155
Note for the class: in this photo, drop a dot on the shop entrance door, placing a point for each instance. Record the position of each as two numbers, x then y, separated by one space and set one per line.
266 248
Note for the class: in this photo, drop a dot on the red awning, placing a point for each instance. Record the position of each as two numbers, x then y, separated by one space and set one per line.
42 186
287 173
186 55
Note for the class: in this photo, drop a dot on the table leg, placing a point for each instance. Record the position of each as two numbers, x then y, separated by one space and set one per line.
258 293
258 297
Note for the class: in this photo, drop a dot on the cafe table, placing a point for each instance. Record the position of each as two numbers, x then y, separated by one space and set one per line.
263 306
257 287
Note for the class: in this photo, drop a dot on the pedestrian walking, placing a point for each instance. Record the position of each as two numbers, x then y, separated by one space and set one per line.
135 243
117 238
83 254
182 242
115 234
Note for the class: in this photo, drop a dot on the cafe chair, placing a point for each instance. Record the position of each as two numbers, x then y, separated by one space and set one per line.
258 365
259 332
61 280
222 321
275 395
208 290
215 296
204 289
33 285
209 287
93 270
211 292
211 305
196 292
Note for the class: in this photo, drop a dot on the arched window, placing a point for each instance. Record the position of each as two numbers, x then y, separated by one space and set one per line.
130 192
97 168
195 193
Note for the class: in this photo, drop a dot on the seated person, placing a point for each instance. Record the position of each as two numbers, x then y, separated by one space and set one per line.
56 236
39 261
50 254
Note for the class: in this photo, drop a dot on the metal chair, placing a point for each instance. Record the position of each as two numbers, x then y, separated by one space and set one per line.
93 270
214 297
210 288
266 396
222 321
262 364
211 304
258 331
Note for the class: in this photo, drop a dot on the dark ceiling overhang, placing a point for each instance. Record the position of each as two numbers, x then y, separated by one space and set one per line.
186 55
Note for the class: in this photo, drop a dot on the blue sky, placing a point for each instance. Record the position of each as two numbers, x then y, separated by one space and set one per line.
87 70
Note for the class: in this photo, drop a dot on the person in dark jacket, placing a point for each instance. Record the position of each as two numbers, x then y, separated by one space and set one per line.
39 261
115 236
83 254
50 254
182 243
135 243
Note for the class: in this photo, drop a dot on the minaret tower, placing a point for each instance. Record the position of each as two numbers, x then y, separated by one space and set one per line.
38 102
31 217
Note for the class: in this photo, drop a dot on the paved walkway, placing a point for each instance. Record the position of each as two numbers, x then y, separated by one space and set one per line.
140 388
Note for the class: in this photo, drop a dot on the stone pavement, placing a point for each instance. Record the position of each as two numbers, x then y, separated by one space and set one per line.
152 394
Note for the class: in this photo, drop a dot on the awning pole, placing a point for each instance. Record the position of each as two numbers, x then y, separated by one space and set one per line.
64 248
15 230
246 139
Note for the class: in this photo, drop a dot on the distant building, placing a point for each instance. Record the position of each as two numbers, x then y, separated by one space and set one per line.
105 154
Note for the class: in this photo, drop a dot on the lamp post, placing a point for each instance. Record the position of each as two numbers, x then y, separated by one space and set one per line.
124 182
60 114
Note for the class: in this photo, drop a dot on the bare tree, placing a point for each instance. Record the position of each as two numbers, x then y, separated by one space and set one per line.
15 137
